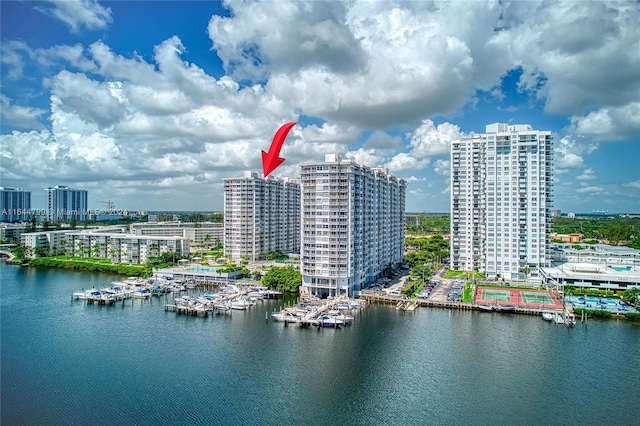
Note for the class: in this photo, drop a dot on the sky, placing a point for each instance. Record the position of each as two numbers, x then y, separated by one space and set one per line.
150 104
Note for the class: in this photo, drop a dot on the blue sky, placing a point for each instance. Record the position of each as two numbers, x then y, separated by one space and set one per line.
151 104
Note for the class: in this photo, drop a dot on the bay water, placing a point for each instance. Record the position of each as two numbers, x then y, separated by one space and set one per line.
65 362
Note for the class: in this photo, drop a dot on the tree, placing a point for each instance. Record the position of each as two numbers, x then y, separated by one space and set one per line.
526 270
632 295
286 279
41 252
74 222
635 243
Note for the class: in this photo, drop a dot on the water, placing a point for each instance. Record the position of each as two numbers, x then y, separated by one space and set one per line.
67 362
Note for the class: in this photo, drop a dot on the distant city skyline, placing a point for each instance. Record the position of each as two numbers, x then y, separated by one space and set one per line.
154 114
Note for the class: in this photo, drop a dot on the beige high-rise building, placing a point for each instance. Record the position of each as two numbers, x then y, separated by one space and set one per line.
261 216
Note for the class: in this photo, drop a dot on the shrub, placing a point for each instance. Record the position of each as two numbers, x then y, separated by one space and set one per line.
633 316
601 313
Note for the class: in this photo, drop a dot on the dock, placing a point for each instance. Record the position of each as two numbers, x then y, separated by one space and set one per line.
414 303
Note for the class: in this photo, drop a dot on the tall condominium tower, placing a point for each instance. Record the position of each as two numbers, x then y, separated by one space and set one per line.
352 225
501 199
261 216
64 203
15 204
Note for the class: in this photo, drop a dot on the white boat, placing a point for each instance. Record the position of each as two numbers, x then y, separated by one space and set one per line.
547 316
82 295
240 304
558 318
328 321
222 307
347 319
569 319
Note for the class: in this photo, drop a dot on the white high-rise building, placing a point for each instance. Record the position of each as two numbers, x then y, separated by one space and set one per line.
15 204
352 225
261 216
64 203
501 200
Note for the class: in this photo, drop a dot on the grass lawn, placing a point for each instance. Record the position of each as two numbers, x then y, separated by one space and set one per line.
467 294
463 274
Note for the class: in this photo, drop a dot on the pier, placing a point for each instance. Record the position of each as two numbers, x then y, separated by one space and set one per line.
395 300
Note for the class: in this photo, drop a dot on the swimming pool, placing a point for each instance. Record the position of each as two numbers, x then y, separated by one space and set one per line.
621 268
609 304
202 269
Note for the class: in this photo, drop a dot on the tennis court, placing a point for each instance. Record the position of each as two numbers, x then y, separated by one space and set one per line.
542 299
496 295
536 297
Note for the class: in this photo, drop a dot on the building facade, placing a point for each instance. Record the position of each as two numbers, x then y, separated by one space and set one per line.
352 225
64 203
501 199
103 243
261 216
203 232
15 205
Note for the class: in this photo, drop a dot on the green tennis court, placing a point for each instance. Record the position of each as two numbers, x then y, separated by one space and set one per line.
496 295
536 298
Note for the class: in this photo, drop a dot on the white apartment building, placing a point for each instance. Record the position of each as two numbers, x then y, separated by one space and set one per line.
203 231
15 204
352 225
63 203
501 200
125 248
261 216
105 243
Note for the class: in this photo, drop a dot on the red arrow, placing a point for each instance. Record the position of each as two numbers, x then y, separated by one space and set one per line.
271 161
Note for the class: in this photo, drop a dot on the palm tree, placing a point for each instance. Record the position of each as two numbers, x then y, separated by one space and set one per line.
632 296
526 270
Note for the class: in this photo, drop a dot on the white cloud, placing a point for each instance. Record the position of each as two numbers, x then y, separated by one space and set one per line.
366 157
587 174
442 167
569 151
593 190
634 184
79 14
576 55
11 52
294 35
412 179
609 123
383 140
426 141
20 116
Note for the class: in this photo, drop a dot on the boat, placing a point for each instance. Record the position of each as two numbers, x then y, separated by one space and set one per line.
558 318
82 295
547 316
240 304
347 319
222 307
328 321
569 319
485 307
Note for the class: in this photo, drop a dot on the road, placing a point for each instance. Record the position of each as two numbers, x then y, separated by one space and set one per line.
441 291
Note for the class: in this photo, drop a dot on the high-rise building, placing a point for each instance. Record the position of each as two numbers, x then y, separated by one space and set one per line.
64 203
15 204
501 199
352 225
261 216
